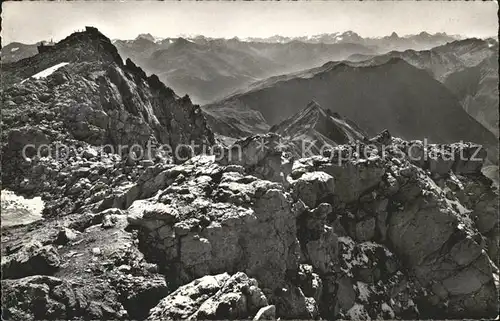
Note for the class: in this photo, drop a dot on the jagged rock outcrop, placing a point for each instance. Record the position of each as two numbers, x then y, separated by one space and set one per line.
402 208
207 221
365 234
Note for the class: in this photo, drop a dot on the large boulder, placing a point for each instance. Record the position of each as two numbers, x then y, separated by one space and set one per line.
313 187
260 155
213 298
353 176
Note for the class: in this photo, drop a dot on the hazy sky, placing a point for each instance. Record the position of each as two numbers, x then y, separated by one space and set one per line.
30 22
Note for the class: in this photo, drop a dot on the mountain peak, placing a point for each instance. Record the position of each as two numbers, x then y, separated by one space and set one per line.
313 108
424 34
85 45
146 36
318 125
313 105
182 41
351 36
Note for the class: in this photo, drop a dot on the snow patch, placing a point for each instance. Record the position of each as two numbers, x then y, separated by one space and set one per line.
47 72
158 39
17 210
14 49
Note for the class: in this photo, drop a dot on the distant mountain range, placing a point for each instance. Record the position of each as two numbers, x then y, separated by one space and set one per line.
420 41
211 68
230 76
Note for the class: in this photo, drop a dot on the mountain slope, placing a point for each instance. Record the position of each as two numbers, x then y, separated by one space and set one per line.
394 95
477 89
235 121
469 68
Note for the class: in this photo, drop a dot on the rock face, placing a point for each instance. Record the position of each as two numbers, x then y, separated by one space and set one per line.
402 207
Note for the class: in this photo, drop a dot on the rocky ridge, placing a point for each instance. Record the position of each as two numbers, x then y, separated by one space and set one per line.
95 99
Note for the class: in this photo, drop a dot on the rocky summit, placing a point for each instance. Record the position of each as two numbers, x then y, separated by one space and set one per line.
376 228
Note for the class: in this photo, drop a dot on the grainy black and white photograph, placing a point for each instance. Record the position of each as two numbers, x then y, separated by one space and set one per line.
249 160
